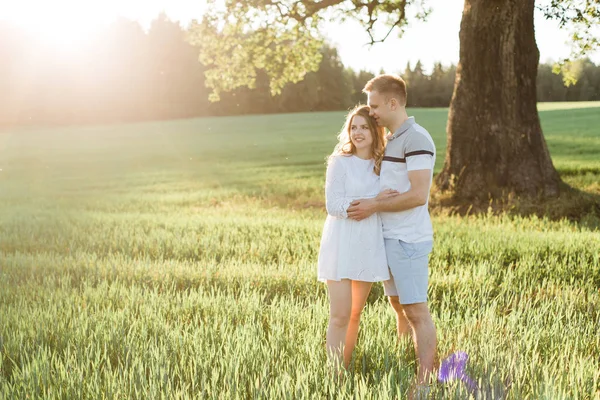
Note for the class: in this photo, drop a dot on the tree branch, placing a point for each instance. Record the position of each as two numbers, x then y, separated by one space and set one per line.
310 8
371 7
313 7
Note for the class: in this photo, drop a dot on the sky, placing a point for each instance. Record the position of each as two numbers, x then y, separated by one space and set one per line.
435 40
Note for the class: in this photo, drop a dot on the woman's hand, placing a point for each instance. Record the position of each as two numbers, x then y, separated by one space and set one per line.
386 194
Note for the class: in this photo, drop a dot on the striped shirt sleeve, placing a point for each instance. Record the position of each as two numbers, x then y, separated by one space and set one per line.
418 152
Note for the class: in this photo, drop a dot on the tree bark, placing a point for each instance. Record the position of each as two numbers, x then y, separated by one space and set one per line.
495 141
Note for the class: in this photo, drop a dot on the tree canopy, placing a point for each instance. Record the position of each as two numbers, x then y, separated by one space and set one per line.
582 18
283 38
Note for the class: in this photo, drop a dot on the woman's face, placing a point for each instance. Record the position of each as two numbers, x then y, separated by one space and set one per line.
360 134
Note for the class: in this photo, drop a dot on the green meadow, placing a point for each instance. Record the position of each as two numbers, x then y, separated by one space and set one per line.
177 259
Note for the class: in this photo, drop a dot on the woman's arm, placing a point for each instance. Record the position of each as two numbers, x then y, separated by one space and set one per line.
336 201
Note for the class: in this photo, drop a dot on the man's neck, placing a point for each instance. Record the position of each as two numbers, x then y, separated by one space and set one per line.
402 118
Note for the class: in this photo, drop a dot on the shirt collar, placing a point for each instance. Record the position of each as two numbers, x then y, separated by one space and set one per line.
403 128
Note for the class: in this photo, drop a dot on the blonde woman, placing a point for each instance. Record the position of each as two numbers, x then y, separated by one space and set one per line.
352 253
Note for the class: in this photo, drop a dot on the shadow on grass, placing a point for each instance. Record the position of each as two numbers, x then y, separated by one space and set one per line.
579 207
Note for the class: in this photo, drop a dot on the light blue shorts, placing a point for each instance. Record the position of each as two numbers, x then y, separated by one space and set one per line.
409 271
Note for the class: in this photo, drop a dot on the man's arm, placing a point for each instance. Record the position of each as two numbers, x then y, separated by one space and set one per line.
420 181
416 196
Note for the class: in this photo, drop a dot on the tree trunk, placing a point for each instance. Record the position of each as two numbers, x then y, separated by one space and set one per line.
495 141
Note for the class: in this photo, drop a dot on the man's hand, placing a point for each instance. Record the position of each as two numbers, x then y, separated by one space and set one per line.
386 194
361 209
364 208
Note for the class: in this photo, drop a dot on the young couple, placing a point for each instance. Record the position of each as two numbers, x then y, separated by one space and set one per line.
378 227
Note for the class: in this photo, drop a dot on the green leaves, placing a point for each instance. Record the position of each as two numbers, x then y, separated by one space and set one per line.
582 18
237 45
282 38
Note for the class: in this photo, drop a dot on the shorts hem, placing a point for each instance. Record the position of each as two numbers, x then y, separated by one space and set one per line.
322 279
406 303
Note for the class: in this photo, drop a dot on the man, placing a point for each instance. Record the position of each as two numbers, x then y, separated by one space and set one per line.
407 167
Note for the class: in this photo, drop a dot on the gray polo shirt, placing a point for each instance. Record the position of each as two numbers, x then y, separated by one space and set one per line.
410 148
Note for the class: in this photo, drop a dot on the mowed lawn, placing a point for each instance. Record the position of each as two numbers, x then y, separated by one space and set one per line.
177 259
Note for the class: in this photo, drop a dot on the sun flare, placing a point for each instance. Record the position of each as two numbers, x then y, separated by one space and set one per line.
64 25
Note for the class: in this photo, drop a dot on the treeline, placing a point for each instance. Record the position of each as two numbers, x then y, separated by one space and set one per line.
127 74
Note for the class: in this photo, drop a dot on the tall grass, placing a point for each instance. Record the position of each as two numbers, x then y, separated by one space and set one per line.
178 260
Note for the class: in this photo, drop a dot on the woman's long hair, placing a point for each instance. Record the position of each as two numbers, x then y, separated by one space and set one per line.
345 145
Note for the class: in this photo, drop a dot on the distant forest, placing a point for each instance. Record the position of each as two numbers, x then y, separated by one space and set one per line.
127 74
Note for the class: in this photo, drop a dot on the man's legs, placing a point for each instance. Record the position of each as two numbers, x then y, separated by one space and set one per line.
402 324
407 291
424 338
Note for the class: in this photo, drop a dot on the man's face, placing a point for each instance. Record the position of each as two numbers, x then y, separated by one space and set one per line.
379 108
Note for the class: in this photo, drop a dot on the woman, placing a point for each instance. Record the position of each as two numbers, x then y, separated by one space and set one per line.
352 253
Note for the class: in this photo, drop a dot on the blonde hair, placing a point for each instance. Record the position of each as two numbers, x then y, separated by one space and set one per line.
345 146
388 85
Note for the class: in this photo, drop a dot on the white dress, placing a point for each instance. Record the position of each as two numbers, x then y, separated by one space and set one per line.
351 249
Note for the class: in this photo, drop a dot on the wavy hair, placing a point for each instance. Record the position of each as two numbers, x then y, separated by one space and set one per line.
346 147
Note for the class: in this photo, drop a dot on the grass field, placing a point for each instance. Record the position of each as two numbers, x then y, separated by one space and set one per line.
178 260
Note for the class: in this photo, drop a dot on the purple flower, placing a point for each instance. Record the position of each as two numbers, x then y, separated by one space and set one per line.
453 367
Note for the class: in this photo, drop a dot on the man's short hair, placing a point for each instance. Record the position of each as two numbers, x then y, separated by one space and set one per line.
389 85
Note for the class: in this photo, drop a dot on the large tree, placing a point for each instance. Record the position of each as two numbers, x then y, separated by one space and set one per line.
495 142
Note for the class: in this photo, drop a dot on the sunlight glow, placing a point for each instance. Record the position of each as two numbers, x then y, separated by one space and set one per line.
66 25
62 24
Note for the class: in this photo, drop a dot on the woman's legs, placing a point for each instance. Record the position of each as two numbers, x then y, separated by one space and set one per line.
360 292
340 304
